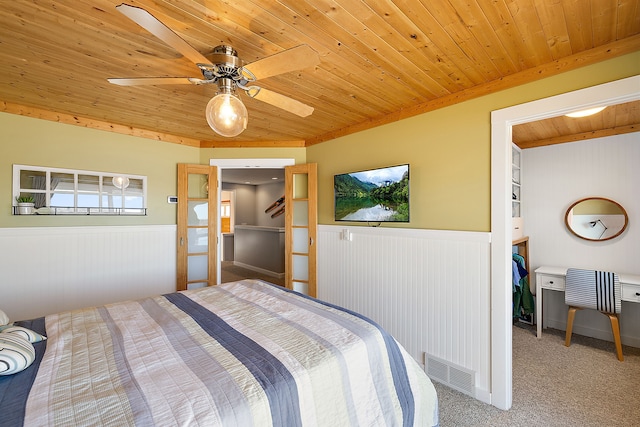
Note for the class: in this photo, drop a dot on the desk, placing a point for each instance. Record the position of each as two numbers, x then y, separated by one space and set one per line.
553 278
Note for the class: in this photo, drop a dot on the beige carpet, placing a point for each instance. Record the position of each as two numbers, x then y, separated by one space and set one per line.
232 273
554 385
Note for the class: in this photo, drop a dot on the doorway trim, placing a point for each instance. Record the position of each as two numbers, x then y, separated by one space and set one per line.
267 163
616 92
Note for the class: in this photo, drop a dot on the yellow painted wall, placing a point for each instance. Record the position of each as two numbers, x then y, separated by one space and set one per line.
36 142
449 151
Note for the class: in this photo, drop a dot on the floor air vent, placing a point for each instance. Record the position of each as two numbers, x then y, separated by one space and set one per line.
456 377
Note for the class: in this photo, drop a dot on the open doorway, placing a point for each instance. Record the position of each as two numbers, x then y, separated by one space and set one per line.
252 245
252 224
616 92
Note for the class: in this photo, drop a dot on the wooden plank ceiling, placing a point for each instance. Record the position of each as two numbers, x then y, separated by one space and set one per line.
613 120
380 60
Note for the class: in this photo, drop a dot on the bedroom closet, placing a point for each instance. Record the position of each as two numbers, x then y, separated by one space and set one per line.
523 301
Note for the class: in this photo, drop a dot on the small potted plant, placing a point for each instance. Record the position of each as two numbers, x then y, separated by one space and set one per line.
25 205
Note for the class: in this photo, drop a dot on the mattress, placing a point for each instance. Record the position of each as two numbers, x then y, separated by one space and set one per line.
245 353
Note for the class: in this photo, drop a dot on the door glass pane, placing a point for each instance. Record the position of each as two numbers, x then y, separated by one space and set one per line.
301 240
300 186
301 287
198 213
300 213
198 240
300 267
198 187
197 267
197 285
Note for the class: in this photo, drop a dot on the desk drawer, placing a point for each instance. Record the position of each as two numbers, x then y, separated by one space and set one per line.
630 292
551 282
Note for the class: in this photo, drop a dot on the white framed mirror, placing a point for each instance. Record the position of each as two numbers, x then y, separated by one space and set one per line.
596 219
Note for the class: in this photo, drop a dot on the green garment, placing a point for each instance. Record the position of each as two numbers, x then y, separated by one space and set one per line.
523 303
523 299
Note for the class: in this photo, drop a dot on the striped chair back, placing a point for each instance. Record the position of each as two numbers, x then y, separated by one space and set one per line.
598 290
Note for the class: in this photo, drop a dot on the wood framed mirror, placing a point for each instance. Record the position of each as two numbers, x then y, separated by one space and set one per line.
596 219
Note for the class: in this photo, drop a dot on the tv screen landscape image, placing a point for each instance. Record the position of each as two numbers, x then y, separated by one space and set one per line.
373 195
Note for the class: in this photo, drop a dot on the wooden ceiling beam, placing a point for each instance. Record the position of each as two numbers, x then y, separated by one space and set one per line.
94 124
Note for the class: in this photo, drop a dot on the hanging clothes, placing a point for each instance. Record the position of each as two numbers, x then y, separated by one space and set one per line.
523 303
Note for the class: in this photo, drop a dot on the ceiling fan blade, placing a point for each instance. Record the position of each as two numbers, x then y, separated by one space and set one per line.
161 31
149 81
281 101
292 59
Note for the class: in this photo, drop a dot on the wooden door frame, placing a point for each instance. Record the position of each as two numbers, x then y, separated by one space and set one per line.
311 171
184 169
616 92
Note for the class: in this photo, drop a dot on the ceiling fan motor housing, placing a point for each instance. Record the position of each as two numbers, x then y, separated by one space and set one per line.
226 64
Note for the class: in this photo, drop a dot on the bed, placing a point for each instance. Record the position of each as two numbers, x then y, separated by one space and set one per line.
244 353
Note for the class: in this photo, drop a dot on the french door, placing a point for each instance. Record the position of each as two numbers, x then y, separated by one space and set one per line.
301 218
197 225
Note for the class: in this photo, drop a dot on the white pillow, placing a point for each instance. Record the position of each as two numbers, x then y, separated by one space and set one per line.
4 319
16 354
28 334
3 327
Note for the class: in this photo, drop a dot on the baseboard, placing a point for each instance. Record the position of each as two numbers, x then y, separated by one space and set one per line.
259 270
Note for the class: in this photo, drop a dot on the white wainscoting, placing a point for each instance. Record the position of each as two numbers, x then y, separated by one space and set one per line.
430 289
45 270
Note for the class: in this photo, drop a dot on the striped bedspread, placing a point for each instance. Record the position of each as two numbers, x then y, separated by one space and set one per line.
244 353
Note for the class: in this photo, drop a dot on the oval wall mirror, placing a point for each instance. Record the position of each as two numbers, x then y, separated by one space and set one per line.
596 218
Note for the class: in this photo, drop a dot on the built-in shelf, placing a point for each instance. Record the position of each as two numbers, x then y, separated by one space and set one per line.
516 183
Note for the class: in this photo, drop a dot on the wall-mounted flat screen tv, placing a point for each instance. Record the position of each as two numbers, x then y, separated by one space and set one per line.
373 195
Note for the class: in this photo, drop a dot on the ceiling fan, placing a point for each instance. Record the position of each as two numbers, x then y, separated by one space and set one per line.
225 112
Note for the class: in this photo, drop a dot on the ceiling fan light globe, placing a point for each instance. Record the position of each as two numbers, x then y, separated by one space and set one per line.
227 115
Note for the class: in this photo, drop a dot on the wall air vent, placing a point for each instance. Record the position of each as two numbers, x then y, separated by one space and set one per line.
456 377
